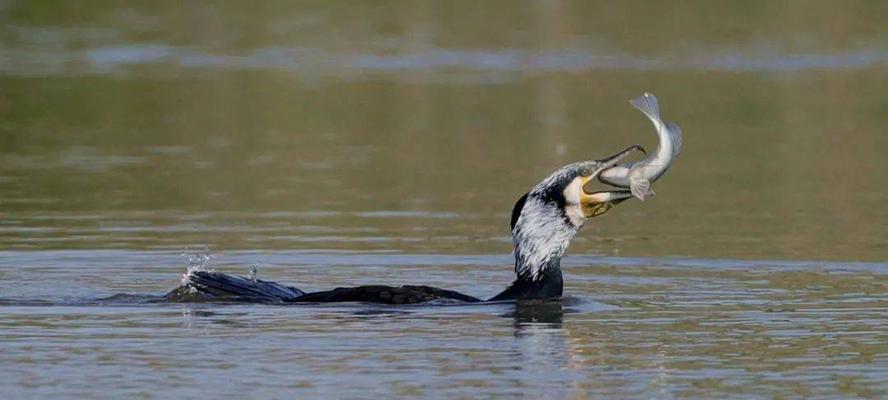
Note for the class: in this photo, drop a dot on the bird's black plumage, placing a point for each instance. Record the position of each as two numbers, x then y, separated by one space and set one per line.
385 295
541 231
516 211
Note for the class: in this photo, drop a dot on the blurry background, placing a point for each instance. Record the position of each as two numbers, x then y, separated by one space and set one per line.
415 125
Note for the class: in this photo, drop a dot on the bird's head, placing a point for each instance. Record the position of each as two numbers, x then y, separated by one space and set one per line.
547 217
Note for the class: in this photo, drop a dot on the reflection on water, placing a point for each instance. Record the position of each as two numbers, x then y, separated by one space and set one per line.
529 313
346 143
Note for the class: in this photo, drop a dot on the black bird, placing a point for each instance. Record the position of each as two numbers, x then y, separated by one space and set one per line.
544 220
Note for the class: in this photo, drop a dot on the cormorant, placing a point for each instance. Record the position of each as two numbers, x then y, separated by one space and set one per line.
543 222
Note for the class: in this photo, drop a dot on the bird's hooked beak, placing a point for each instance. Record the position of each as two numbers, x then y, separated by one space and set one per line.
596 203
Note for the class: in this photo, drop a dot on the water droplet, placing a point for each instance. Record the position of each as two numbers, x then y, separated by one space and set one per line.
254 271
197 261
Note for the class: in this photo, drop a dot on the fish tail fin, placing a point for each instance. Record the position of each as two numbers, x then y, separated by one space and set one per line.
647 103
675 133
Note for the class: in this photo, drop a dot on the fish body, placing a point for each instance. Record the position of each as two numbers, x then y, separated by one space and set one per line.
639 175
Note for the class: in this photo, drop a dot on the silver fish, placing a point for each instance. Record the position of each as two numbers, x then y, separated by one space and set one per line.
639 175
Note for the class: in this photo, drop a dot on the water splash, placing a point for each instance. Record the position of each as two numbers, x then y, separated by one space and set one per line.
254 272
196 261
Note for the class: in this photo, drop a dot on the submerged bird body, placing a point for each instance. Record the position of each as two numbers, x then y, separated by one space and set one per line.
543 222
639 175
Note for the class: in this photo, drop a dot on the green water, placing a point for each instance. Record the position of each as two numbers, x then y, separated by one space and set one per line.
337 143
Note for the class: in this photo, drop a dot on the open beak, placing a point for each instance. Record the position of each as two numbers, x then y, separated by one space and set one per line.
599 202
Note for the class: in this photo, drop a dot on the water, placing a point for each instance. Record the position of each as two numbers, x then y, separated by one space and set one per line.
337 144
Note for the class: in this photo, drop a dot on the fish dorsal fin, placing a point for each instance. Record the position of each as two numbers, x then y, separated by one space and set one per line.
674 133
640 187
